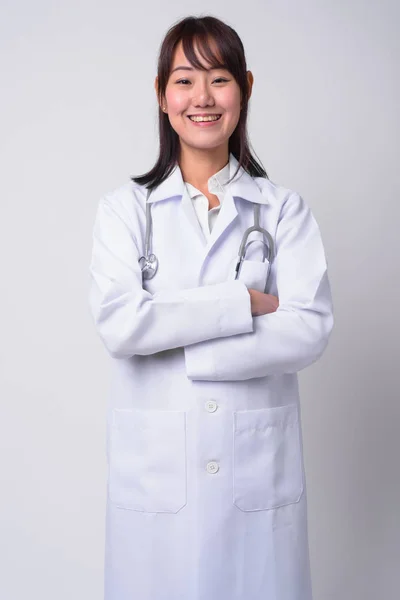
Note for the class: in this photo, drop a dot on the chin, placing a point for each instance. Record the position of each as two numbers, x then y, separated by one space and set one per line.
205 145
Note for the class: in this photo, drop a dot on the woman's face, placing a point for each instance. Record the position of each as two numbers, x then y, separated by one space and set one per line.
193 92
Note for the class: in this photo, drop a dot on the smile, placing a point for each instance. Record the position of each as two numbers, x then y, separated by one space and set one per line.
197 119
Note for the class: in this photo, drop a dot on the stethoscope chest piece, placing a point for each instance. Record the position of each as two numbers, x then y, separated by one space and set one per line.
148 266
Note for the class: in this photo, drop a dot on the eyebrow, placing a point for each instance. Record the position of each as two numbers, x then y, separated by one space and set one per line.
181 67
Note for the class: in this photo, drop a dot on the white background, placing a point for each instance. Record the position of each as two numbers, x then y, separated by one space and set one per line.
79 118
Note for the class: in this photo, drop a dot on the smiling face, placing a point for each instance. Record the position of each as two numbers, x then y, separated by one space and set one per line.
194 92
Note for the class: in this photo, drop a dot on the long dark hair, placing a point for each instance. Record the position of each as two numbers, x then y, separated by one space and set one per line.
200 29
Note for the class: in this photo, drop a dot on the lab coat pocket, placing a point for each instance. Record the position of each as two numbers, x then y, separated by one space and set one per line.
267 458
147 460
254 274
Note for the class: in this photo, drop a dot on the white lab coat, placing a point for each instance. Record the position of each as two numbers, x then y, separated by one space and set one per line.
206 483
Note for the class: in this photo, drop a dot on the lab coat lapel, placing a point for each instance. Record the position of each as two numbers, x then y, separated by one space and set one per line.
227 214
188 218
243 187
173 187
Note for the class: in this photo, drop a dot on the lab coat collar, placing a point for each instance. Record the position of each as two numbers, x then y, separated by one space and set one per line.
243 185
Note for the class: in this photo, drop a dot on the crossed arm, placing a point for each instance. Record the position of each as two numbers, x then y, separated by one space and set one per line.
214 324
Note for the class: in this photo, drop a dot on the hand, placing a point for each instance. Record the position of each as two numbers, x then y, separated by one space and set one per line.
262 304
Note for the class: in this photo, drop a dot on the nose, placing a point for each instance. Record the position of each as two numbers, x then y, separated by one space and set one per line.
202 95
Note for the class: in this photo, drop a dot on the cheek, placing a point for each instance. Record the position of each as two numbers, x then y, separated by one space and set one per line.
176 101
230 101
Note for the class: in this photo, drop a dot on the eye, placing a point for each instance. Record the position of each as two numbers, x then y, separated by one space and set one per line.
218 79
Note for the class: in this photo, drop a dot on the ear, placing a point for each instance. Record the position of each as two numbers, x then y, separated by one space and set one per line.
250 81
156 87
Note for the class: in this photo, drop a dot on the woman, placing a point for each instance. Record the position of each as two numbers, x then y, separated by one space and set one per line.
206 489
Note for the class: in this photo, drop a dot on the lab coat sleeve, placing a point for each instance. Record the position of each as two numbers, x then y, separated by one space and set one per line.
130 320
297 333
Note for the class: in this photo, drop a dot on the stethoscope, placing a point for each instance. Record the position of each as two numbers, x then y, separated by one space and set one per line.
149 262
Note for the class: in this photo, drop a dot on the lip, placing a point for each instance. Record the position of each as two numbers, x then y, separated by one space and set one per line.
204 123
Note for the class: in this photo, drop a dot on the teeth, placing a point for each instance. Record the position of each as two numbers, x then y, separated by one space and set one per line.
209 118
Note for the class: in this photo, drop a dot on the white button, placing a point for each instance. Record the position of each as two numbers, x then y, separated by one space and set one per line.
211 406
212 466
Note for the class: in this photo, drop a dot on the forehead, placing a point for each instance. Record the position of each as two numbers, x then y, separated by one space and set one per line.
179 57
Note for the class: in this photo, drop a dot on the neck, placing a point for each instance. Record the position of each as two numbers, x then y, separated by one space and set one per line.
198 165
